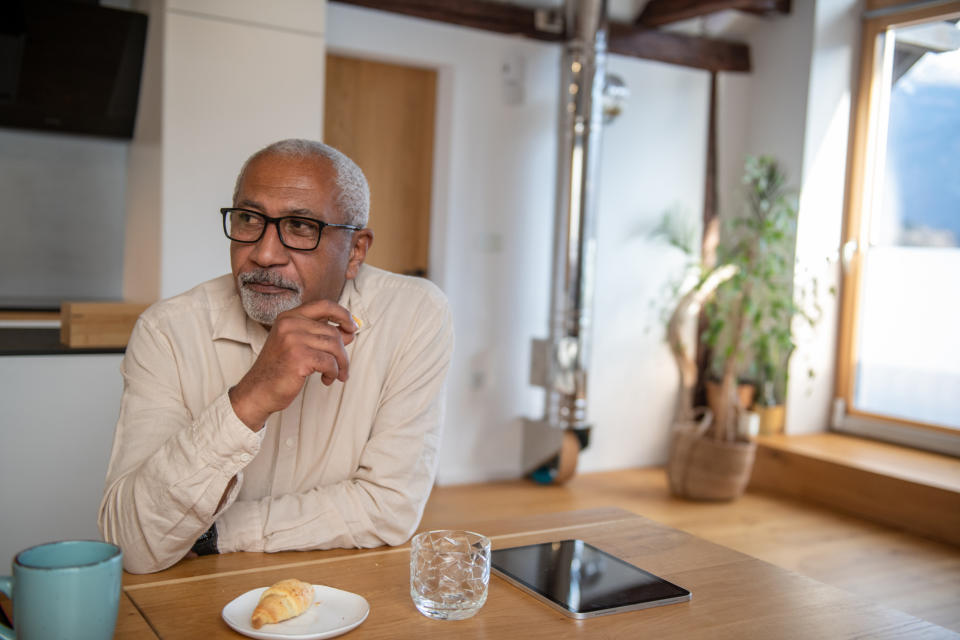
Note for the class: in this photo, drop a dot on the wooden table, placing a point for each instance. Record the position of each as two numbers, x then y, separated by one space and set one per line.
734 595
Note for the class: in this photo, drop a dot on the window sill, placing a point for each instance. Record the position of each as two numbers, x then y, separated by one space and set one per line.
905 488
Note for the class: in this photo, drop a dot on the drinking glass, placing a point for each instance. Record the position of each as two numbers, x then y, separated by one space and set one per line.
449 573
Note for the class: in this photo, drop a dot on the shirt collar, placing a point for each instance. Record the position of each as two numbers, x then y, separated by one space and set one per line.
234 324
353 301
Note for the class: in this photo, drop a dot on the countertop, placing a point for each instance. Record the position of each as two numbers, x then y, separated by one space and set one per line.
40 341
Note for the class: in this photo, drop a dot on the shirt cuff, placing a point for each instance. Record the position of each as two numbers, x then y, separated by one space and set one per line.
223 440
240 528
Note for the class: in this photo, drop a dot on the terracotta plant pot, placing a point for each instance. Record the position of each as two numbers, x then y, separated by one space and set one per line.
771 419
702 468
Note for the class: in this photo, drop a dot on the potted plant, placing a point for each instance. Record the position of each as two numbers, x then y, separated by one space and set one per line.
749 319
749 309
773 352
774 343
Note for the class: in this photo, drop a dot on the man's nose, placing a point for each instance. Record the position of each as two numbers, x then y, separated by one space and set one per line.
268 250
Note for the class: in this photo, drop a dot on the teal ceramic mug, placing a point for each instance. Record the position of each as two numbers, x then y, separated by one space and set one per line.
68 590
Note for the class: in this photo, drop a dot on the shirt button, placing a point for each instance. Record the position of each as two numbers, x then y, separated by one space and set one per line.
291 442
244 457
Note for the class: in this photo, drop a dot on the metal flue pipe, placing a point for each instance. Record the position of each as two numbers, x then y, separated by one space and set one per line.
560 363
574 257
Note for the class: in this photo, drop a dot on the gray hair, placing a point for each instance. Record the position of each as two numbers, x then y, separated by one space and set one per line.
353 192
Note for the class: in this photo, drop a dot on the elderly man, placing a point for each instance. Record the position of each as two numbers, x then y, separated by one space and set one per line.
295 404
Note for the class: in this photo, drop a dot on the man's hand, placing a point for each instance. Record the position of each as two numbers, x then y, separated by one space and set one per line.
310 338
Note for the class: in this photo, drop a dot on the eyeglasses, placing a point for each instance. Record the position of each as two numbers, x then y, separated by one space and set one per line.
295 232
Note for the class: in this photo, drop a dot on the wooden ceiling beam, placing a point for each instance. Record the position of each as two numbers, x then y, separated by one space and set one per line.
624 39
677 48
660 12
477 14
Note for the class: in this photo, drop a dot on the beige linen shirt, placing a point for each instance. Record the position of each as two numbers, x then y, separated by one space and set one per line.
349 465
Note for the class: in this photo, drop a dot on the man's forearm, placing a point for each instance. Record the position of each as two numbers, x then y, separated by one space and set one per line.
381 503
156 510
152 533
348 514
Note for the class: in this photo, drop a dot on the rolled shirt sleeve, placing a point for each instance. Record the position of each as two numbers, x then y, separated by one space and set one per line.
168 469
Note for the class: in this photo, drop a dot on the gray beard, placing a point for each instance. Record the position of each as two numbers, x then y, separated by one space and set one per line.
264 308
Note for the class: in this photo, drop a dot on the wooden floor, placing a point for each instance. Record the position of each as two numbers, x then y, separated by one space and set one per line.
890 567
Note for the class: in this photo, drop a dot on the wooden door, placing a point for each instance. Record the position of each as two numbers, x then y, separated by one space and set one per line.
382 116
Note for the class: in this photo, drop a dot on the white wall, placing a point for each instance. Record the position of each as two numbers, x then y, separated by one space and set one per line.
833 74
795 105
57 426
226 79
653 160
763 112
144 194
492 234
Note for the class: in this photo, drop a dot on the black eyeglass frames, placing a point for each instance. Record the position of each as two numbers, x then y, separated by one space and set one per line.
295 232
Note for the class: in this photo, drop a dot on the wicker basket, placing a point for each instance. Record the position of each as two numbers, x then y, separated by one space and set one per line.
702 468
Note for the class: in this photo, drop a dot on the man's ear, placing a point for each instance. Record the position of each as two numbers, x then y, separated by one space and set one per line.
362 241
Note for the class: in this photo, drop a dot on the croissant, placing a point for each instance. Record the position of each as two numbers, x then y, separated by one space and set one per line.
282 601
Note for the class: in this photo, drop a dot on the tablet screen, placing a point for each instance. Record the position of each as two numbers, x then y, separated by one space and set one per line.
582 580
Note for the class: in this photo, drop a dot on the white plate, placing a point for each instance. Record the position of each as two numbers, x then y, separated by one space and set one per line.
332 613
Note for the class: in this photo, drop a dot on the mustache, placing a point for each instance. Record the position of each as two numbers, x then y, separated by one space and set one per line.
265 276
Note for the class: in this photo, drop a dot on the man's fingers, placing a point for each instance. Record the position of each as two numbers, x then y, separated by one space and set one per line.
346 330
329 312
347 333
327 356
344 334
311 339
296 323
329 367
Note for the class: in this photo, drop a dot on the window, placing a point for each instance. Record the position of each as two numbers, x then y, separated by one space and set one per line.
899 359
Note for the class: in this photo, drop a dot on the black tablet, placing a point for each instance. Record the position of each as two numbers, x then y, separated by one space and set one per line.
582 581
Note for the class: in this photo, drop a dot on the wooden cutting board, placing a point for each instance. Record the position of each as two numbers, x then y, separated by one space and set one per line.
98 324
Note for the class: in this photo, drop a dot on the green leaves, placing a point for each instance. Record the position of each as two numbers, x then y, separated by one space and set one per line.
750 317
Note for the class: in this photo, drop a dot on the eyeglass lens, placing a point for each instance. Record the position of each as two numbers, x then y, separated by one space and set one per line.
296 233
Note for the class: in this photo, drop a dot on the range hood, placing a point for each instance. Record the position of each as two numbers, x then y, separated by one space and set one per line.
70 67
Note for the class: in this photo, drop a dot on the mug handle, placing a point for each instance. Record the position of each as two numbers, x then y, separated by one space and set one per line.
6 586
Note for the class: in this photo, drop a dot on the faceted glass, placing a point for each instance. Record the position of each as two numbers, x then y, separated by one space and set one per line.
449 573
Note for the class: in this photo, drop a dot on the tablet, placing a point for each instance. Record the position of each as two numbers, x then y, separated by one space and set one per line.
582 581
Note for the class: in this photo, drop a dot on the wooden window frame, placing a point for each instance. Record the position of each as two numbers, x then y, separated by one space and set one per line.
880 15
